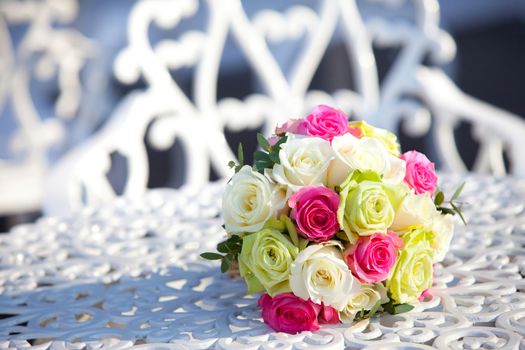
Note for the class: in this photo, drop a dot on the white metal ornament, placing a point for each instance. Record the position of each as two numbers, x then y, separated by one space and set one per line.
199 124
128 275
56 51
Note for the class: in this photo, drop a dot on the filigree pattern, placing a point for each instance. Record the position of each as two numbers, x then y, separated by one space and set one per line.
128 275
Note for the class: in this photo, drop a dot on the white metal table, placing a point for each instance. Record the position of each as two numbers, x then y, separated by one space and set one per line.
128 275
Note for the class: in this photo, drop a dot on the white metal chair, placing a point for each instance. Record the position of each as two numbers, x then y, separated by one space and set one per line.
60 51
199 123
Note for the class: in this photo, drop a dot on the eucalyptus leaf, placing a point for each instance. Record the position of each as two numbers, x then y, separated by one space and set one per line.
458 191
440 197
260 156
223 247
279 143
446 210
226 264
263 142
235 239
274 157
458 211
402 308
211 256
261 165
374 309
240 154
389 307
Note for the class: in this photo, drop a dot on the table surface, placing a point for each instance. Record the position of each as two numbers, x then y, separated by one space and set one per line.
128 275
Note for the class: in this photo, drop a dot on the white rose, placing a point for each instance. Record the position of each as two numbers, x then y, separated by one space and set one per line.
365 299
365 153
249 201
414 210
304 161
320 273
443 229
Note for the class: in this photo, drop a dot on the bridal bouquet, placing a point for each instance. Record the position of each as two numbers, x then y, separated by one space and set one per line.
333 224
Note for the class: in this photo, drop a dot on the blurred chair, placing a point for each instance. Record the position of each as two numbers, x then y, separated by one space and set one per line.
421 96
34 49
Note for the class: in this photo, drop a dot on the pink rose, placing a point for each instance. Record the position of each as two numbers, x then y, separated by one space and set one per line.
324 122
420 174
288 313
291 126
372 257
425 295
328 315
314 209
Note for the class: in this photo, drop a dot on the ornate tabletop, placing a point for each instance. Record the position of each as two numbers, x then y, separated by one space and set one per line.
129 275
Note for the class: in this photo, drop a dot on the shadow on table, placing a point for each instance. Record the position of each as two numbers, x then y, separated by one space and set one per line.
195 303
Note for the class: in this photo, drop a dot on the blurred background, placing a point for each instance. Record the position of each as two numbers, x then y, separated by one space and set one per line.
66 67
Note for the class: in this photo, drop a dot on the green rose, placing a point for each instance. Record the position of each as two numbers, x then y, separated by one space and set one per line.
413 271
265 261
367 205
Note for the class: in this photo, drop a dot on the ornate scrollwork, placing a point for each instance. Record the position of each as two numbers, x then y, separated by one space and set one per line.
44 51
129 273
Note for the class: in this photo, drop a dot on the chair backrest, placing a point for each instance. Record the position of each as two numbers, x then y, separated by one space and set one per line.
38 51
163 113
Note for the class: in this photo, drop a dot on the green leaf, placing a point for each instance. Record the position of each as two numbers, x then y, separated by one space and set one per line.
235 239
275 224
232 246
303 243
374 309
389 307
342 236
440 197
360 314
402 308
278 144
260 156
457 192
232 164
446 210
226 264
274 157
211 256
290 227
261 165
263 142
458 211
240 154
223 247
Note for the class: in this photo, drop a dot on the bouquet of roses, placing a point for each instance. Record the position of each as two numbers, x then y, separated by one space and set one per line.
333 224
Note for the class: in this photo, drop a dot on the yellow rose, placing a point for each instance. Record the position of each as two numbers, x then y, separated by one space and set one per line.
412 273
265 261
388 139
414 210
367 204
